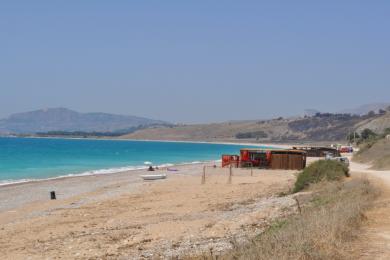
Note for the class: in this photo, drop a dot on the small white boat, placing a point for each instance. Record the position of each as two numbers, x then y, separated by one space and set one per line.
152 177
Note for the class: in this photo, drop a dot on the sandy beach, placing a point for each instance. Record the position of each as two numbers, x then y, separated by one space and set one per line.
120 216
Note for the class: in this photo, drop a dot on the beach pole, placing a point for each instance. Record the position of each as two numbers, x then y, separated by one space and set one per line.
252 170
53 195
204 175
230 174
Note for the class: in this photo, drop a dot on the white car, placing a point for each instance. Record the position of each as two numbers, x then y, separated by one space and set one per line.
344 160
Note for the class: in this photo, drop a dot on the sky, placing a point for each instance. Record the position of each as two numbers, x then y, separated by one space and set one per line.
193 61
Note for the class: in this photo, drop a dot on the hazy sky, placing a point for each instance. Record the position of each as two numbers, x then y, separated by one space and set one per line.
193 61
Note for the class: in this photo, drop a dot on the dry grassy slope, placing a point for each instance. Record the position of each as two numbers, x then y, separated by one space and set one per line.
324 128
377 154
212 132
377 124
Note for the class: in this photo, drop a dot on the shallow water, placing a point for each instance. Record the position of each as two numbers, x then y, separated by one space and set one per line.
41 158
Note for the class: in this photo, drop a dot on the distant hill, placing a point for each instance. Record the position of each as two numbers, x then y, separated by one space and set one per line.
62 119
364 109
322 127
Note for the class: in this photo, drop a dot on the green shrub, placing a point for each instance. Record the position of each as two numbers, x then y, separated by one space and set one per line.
321 170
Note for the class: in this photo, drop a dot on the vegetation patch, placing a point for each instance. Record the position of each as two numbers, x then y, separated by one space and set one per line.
322 170
375 150
250 135
324 229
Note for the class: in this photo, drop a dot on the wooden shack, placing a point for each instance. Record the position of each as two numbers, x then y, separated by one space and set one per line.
288 160
314 151
273 159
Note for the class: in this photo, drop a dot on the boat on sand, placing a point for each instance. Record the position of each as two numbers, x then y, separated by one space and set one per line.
152 177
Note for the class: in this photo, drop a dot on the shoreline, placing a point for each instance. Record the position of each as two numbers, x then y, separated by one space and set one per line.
16 195
276 145
116 170
87 174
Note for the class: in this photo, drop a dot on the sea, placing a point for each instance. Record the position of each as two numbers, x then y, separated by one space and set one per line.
27 159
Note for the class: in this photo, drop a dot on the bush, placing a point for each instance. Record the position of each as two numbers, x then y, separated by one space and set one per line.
321 170
249 135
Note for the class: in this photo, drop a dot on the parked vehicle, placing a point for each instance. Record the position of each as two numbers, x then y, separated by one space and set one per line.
344 160
346 149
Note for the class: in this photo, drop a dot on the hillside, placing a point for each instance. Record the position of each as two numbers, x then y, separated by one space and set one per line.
364 109
375 153
376 124
320 127
62 119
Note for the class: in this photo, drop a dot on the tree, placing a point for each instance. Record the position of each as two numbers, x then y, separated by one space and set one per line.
367 134
371 113
381 112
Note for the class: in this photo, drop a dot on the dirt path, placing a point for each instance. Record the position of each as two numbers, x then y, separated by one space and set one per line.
374 241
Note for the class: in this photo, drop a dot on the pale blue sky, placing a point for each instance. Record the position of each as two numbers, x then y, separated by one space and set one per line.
193 61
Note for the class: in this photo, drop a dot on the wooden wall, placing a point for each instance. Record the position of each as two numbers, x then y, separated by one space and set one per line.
288 161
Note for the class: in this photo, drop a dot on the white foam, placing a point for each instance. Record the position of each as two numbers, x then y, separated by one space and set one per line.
8 182
87 173
98 172
109 170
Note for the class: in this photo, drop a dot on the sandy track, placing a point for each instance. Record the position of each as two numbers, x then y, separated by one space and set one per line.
167 218
374 240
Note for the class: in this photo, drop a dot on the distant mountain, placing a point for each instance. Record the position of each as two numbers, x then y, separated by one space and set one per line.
364 109
62 119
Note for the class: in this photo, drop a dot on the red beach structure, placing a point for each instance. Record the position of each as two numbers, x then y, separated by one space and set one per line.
267 159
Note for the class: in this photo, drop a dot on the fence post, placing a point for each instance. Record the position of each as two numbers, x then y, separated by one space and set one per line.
204 175
230 174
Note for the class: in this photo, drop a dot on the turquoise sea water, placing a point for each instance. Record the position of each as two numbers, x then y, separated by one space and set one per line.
36 158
